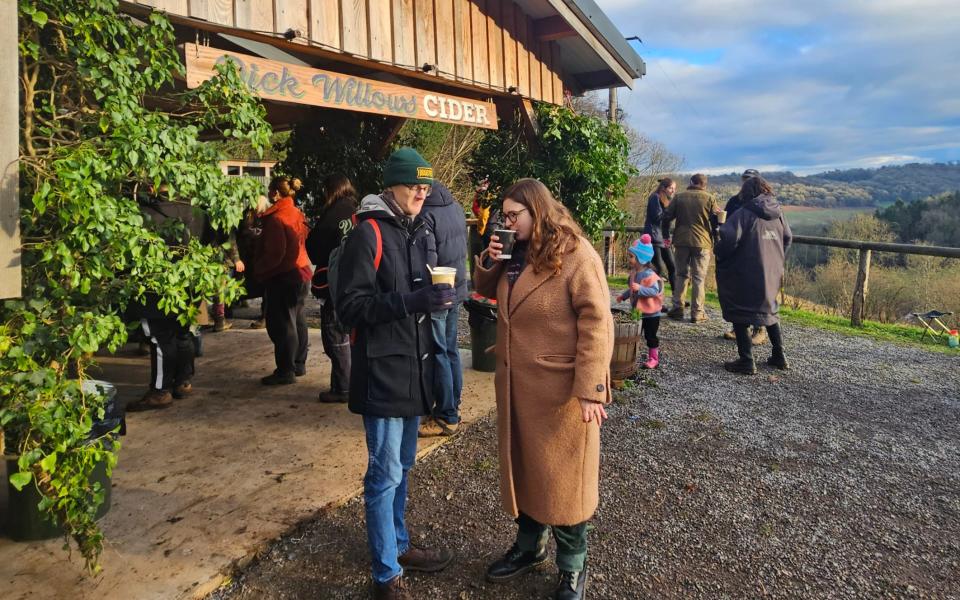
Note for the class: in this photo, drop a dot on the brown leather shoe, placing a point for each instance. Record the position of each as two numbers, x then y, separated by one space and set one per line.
152 400
676 314
432 427
729 335
395 589
424 560
182 391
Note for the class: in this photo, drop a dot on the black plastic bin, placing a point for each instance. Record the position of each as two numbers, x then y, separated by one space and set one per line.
482 316
23 521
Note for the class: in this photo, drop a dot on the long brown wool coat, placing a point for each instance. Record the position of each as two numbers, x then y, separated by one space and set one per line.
554 344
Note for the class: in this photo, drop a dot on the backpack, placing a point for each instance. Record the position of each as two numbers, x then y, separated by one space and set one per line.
334 264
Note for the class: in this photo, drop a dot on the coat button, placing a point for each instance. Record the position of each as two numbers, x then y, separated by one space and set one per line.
600 387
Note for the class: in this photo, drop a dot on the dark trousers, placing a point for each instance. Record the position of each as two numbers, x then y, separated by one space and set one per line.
663 263
745 344
286 324
571 541
171 352
336 345
650 326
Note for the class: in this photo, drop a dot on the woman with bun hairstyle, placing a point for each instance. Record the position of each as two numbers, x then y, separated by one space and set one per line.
283 267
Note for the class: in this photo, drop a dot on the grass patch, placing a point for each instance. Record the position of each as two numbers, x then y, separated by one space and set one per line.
885 332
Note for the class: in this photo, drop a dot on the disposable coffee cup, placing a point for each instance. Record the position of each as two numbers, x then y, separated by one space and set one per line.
444 275
722 217
508 238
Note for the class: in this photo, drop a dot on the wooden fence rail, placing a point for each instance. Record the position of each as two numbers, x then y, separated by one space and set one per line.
866 249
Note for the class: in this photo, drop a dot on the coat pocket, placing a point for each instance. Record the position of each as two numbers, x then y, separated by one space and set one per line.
556 362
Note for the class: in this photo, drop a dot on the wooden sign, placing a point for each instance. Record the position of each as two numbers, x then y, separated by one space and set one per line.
275 80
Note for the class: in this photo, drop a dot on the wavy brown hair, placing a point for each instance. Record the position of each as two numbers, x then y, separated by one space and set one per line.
554 234
662 186
753 187
338 186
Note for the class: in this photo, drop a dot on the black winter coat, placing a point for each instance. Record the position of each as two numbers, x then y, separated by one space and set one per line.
733 205
750 262
444 216
654 223
334 222
392 352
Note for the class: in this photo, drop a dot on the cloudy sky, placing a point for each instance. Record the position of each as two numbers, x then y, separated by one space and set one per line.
802 85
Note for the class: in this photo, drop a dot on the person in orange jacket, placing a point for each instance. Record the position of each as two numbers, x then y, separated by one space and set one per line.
282 265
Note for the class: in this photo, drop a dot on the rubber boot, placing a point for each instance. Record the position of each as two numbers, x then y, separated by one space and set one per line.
653 359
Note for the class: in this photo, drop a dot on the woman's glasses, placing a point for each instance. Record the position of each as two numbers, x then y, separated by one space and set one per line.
513 215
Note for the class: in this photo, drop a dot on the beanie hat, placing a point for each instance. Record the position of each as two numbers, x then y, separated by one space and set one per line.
406 166
642 249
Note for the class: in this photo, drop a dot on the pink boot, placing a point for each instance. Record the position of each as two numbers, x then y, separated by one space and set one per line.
653 359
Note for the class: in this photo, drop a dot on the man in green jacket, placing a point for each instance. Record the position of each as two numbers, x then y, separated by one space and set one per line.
693 210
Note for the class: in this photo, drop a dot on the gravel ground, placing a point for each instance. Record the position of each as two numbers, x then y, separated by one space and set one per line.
839 478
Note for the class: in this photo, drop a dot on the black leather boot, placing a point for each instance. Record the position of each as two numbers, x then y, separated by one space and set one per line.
744 366
514 563
571 585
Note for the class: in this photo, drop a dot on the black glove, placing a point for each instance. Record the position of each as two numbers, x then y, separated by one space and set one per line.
432 298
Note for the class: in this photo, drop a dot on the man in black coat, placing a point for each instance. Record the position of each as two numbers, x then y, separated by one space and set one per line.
444 217
385 294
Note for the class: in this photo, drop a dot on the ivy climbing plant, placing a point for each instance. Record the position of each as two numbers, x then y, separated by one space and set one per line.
584 160
102 121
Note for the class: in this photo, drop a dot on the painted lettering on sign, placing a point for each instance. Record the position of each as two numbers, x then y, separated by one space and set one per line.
268 82
287 82
354 92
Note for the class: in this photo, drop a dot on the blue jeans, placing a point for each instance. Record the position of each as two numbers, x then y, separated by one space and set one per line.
391 451
447 375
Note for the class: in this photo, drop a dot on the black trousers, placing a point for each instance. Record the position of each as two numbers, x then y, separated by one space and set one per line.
663 263
745 344
286 323
336 345
650 326
171 352
571 540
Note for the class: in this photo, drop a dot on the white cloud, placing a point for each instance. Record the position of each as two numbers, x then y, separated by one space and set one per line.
797 85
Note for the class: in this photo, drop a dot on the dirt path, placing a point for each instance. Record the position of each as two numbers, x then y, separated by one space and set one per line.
839 478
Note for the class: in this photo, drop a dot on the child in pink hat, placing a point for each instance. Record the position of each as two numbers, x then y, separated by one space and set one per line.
646 296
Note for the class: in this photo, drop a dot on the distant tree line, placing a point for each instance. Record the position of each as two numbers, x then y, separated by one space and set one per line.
855 187
934 220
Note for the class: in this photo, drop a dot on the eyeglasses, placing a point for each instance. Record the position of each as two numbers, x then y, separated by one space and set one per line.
426 189
513 215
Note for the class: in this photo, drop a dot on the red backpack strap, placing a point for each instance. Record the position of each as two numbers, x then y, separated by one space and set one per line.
379 255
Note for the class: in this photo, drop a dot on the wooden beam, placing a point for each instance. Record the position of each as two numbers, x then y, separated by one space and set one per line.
567 13
552 28
596 79
393 127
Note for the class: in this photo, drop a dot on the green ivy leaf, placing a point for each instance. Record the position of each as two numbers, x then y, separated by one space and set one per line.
21 479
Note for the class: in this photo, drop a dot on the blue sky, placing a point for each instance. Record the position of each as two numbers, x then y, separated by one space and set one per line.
805 86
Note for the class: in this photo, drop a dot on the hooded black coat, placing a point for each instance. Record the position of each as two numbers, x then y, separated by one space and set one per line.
751 254
445 218
334 222
391 371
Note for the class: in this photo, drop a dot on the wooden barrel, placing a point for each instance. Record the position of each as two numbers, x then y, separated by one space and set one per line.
626 340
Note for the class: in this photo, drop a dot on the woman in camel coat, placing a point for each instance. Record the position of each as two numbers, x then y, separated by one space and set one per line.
554 344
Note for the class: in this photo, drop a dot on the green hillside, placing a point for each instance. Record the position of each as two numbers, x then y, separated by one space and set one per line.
854 187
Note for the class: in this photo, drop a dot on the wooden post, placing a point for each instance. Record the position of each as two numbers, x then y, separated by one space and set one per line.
10 276
612 110
859 309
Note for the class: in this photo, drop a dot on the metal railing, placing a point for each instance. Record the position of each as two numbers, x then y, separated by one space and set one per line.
865 255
